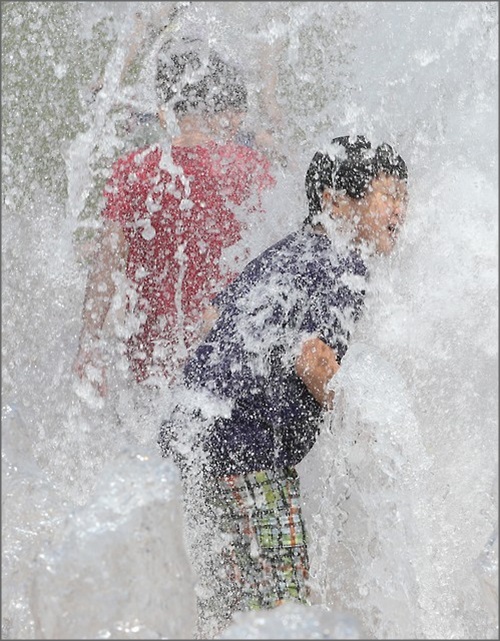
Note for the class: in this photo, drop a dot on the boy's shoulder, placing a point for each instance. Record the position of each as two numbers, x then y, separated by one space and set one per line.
142 159
302 246
297 253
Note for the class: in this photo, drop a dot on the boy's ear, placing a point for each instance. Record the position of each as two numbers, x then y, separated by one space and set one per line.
162 117
327 199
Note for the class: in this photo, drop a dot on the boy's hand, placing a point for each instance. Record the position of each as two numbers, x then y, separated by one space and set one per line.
315 366
89 365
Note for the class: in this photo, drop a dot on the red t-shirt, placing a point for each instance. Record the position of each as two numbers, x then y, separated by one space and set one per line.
177 210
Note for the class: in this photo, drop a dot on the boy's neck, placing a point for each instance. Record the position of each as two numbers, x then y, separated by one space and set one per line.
193 131
318 229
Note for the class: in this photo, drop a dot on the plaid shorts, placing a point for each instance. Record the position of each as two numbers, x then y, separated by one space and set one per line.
261 549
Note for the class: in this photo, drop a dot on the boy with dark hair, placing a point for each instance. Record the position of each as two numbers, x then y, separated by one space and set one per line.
219 88
169 214
258 385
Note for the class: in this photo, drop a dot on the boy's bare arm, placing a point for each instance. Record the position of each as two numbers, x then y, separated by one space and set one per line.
110 257
315 365
210 315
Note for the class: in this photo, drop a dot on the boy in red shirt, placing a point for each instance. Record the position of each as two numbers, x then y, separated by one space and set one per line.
170 212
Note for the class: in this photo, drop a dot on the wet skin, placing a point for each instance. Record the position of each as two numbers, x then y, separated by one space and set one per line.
375 219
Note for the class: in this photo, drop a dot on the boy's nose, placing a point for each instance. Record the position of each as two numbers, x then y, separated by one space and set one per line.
399 211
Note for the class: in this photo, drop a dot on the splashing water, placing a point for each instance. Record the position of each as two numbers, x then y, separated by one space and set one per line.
400 491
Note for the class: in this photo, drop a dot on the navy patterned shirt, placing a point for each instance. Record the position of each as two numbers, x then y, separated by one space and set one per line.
300 287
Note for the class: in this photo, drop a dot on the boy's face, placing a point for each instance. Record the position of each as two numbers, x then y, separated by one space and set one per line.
226 124
381 212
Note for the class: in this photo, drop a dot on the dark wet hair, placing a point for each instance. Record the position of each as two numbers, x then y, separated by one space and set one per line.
350 166
193 80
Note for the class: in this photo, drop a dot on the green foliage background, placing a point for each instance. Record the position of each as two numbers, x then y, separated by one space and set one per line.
45 63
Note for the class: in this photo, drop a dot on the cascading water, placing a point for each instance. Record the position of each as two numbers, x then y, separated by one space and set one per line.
400 490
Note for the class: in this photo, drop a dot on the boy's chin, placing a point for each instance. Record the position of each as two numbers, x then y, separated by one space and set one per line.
386 246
